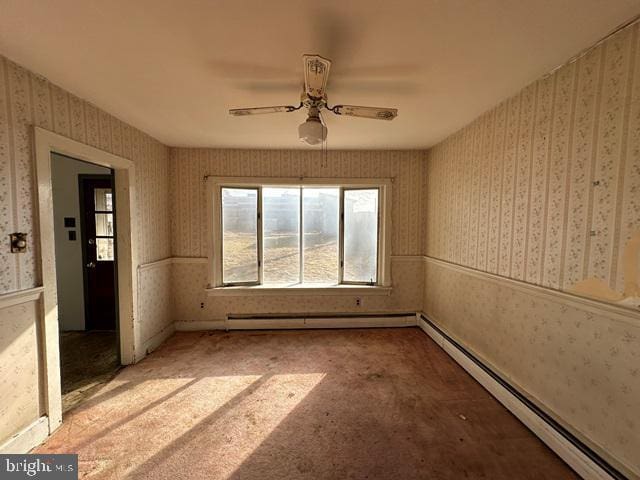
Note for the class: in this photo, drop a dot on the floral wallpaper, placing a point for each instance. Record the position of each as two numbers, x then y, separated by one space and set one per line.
27 99
545 187
189 167
155 312
189 228
20 399
578 359
191 302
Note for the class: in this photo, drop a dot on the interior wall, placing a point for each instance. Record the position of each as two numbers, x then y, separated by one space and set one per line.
189 226
66 203
27 99
21 402
545 189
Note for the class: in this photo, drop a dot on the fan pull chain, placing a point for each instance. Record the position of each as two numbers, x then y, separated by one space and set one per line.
325 153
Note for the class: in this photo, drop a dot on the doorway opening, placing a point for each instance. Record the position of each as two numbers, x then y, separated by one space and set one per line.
84 208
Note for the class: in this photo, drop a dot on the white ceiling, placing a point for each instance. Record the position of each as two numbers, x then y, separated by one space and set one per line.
174 67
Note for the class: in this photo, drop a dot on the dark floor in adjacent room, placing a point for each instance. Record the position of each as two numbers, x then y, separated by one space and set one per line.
323 404
88 359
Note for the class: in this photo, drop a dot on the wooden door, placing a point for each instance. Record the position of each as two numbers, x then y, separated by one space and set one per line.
98 251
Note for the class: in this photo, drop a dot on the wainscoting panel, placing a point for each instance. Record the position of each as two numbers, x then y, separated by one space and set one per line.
192 304
578 359
20 376
154 321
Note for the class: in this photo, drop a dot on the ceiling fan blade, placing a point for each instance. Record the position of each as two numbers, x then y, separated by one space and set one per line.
240 112
377 113
316 73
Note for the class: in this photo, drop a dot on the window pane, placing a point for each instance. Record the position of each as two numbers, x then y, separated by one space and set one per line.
320 220
103 199
104 249
281 227
360 235
104 224
239 235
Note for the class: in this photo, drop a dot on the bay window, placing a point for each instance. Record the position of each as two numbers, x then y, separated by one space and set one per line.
298 233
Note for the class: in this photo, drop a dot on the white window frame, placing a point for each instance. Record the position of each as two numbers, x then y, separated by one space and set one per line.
214 187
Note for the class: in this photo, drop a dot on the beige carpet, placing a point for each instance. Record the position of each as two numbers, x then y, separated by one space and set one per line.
325 404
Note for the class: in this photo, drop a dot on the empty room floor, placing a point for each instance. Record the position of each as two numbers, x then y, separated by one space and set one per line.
88 359
321 404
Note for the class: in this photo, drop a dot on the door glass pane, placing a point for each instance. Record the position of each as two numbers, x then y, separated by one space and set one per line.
281 242
239 235
103 200
360 235
104 249
320 239
104 224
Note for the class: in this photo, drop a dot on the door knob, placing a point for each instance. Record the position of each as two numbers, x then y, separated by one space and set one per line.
92 241
91 265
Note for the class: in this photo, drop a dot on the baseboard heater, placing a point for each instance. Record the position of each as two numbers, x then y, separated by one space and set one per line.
550 421
328 320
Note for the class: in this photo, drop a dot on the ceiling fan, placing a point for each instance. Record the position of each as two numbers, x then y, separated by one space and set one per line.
314 97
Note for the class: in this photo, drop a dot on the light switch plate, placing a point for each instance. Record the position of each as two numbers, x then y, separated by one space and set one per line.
18 242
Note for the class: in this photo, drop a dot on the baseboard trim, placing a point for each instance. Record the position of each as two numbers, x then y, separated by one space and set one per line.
28 438
199 326
301 322
320 322
155 341
588 464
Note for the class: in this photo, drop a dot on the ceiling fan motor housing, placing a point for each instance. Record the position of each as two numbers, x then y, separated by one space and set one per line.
312 131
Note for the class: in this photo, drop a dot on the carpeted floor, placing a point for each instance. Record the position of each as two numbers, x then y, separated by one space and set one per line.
324 404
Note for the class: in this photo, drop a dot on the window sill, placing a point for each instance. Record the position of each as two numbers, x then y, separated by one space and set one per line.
333 290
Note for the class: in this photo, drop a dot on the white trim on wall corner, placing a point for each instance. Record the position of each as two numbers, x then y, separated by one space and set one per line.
45 143
620 312
156 264
171 261
570 453
20 296
28 438
158 339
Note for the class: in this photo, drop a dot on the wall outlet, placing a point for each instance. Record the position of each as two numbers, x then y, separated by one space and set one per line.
358 301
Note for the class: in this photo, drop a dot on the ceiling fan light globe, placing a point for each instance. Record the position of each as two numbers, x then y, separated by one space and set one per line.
312 132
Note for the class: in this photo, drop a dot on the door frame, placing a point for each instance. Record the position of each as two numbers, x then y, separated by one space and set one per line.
47 142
